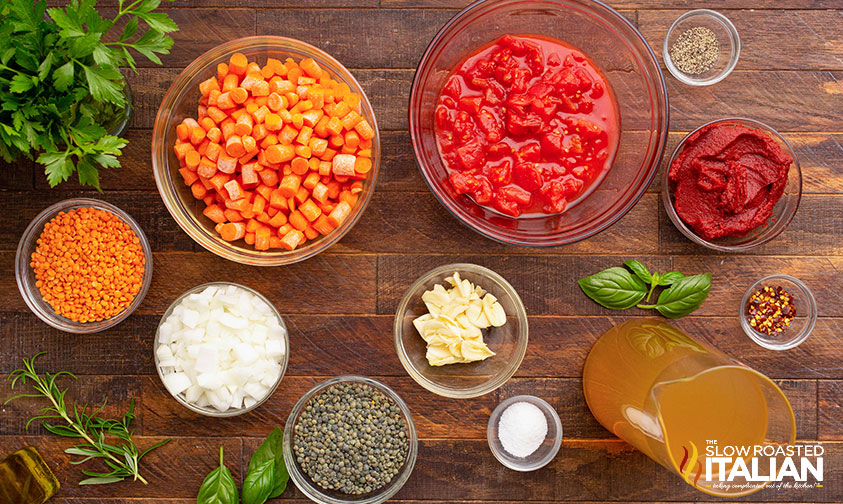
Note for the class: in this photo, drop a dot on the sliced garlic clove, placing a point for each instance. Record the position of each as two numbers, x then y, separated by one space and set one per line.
496 315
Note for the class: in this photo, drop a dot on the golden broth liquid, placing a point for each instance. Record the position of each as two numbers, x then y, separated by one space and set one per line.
660 390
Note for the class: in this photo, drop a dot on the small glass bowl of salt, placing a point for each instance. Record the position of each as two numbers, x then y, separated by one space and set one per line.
524 433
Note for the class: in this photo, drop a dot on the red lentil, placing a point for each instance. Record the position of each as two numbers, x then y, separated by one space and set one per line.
88 264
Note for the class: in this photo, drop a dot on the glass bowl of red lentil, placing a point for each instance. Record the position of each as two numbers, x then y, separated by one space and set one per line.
701 47
25 275
180 102
778 312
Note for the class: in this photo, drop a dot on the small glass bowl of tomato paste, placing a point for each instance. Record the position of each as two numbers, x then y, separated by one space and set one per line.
549 150
782 212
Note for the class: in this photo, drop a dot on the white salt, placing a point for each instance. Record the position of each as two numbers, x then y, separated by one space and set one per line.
522 428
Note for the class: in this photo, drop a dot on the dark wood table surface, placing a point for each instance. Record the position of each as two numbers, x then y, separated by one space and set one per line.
340 305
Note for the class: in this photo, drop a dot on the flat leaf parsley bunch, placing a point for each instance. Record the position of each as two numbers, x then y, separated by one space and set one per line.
60 80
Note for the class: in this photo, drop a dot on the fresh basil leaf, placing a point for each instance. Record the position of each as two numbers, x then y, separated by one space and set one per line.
614 288
259 483
272 449
218 487
670 278
684 296
640 270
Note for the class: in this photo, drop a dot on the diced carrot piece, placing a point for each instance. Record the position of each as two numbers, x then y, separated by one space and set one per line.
289 185
235 192
214 135
310 181
304 135
189 176
232 231
249 174
249 238
213 150
197 134
340 110
320 192
241 205
352 139
349 198
321 127
333 190
234 147
310 233
278 220
262 238
301 195
292 239
343 164
324 168
225 101
287 134
317 146
278 200
280 153
198 190
362 165
323 225
364 130
310 211
207 85
207 123
273 122
222 70
191 159
219 180
182 132
215 213
300 166
207 168
209 199
243 125
233 215
284 229
303 151
237 64
334 126
339 214
297 220
260 88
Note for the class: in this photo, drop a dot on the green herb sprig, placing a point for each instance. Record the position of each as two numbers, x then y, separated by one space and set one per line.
265 479
619 288
122 459
60 81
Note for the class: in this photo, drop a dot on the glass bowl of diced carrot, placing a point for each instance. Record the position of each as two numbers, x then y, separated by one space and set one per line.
265 150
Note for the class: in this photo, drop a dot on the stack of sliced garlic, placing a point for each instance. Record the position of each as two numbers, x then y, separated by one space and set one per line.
453 327
221 347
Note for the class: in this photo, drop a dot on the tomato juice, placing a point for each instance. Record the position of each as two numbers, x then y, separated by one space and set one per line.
527 125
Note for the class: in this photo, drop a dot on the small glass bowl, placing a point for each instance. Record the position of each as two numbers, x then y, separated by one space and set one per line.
801 326
727 39
544 454
316 493
462 381
181 100
782 214
26 277
207 410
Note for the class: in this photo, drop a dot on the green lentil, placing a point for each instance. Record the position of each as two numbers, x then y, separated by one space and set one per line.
351 438
695 50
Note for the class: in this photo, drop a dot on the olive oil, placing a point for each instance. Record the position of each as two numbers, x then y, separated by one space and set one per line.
26 479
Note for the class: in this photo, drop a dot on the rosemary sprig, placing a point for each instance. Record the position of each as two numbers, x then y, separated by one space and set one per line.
122 458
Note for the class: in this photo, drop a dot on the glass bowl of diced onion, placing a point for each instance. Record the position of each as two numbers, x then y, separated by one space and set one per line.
181 101
506 338
250 332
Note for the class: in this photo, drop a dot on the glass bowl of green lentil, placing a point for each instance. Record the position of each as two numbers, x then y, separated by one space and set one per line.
701 47
785 290
336 394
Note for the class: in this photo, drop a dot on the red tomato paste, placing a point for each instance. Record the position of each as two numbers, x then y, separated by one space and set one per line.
527 125
727 180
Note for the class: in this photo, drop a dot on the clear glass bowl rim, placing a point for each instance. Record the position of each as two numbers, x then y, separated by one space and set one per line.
800 337
783 222
211 412
317 495
520 314
507 460
734 55
32 296
555 241
179 90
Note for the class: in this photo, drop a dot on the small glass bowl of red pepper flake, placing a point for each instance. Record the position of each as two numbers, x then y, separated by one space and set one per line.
778 312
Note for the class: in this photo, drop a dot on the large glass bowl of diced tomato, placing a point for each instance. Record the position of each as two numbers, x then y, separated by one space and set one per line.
265 150
538 123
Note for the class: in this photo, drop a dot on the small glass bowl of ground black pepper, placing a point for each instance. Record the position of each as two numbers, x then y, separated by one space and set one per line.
701 47
778 312
350 439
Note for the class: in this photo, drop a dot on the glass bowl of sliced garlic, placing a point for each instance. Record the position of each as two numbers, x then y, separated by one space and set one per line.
461 331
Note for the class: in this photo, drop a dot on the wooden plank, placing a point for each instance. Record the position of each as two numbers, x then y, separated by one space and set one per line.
330 345
641 4
17 175
734 274
425 225
368 39
546 285
240 4
814 231
90 390
812 101
146 208
387 90
175 272
830 404
814 38
175 470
